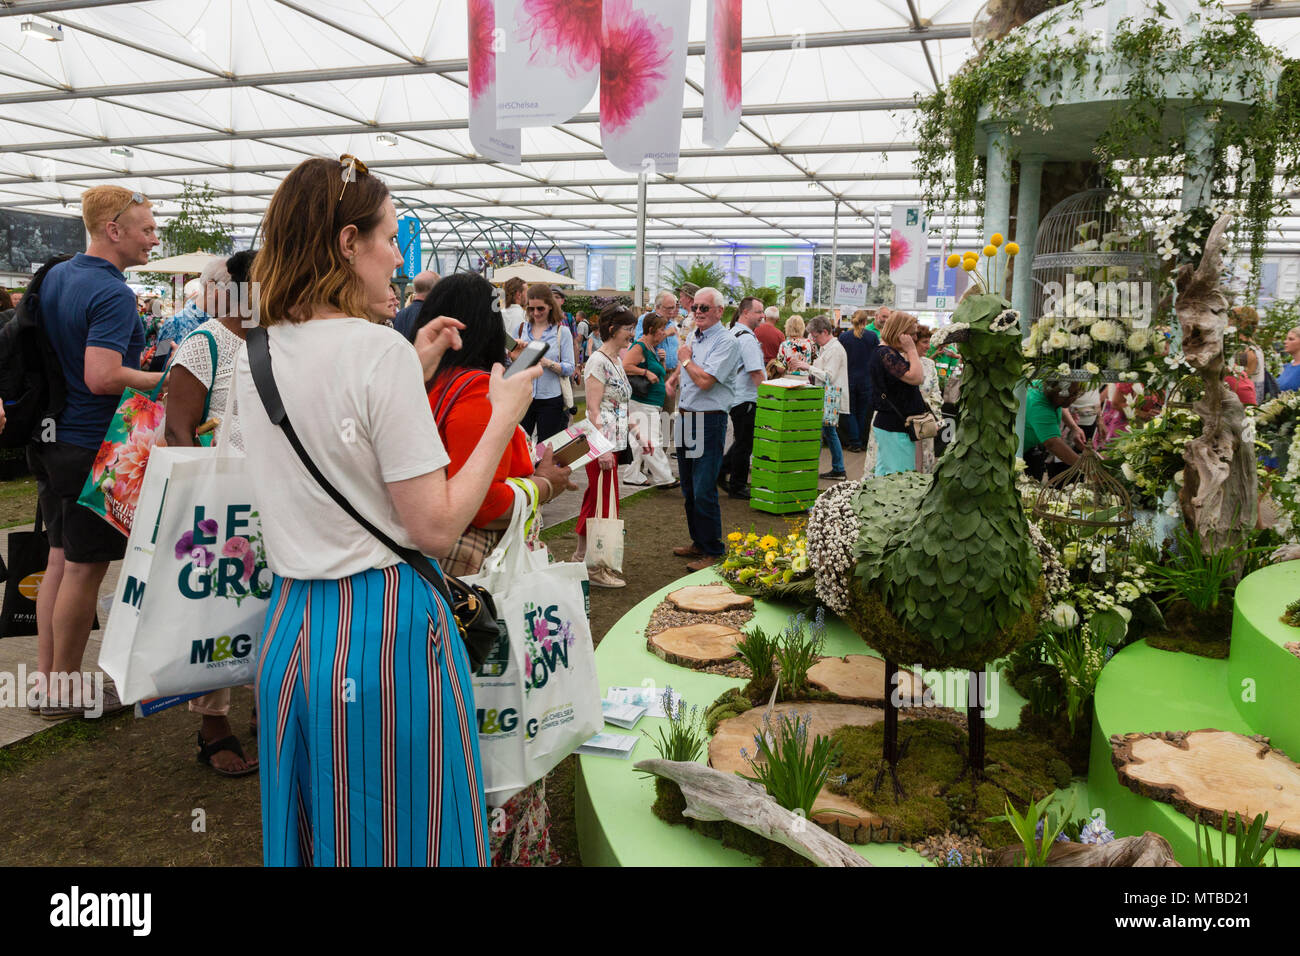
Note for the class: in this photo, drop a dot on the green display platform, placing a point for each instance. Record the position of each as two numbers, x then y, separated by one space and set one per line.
615 825
1263 676
1144 690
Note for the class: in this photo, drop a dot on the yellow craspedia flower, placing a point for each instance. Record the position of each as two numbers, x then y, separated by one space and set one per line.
1012 248
954 261
735 536
996 239
969 264
990 250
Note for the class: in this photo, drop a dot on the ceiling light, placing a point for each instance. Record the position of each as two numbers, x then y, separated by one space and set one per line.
388 139
121 151
54 33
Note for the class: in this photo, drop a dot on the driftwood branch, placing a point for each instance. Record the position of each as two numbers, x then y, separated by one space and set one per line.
1149 849
712 795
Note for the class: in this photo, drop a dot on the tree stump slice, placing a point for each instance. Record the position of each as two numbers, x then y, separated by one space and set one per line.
1149 849
850 822
709 599
1293 647
860 679
696 645
1205 772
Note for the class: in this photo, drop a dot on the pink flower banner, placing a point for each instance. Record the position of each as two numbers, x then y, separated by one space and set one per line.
907 250
722 51
485 42
548 69
643 76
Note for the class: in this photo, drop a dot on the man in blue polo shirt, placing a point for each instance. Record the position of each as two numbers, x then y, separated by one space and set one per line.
734 476
90 318
706 368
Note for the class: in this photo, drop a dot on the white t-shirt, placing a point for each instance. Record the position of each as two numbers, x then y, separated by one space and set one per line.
354 392
513 316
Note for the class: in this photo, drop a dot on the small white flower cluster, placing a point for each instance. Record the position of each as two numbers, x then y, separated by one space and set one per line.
1056 578
832 538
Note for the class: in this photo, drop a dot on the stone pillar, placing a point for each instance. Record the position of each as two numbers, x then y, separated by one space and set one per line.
1031 181
997 184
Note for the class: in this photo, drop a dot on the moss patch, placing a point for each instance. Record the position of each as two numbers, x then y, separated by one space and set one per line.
1055 730
1195 632
669 802
935 799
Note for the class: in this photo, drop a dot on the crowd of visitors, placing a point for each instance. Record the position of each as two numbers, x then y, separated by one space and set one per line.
443 441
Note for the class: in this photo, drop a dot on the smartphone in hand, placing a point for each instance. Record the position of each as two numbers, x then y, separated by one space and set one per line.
531 355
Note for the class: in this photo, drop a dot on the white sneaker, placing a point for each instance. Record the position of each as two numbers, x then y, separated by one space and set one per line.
605 578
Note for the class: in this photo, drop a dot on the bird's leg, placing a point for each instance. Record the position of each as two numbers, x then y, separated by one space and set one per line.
975 721
892 751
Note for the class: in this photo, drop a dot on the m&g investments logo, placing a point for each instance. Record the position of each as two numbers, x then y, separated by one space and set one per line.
223 651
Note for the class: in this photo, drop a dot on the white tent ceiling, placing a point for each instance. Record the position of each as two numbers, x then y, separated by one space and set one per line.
236 93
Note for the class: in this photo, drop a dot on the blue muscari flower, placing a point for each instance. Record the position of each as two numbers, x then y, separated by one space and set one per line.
954 857
1097 832
1110 652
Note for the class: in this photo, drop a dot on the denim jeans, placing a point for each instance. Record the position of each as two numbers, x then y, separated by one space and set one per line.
700 439
832 438
858 421
735 463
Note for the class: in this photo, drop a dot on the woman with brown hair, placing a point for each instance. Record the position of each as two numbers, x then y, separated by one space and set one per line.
548 413
368 739
608 395
896 377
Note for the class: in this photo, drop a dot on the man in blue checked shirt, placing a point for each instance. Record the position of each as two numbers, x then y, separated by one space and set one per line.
707 364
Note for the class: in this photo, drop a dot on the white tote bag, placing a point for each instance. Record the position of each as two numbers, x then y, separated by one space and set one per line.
192 595
604 534
537 694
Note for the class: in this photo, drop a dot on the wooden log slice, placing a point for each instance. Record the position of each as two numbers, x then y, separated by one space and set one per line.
709 599
1205 772
850 821
696 645
860 678
1293 647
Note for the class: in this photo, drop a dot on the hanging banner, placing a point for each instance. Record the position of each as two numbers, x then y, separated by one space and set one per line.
551 61
408 241
907 247
485 42
722 50
875 250
643 78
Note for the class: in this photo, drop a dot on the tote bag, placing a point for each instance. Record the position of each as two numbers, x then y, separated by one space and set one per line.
192 594
537 694
604 535
28 553
112 489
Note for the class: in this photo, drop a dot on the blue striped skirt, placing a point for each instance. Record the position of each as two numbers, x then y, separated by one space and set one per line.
368 739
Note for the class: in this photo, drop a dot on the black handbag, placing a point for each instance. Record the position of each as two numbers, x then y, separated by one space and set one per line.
29 551
640 386
472 606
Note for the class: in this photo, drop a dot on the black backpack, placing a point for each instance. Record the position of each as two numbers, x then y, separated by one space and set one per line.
31 379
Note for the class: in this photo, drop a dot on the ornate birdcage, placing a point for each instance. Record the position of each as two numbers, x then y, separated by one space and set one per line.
1094 301
1088 516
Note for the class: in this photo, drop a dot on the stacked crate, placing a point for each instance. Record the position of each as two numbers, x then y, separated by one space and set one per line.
787 448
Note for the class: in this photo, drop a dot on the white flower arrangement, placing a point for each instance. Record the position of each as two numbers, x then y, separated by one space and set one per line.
1104 330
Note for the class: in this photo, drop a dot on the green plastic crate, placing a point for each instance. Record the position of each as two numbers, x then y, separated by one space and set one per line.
807 393
784 481
802 433
781 502
782 467
787 450
797 419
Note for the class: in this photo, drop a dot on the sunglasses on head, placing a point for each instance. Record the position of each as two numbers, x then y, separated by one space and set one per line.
135 200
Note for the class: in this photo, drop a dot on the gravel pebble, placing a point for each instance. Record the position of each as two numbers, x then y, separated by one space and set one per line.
666 615
972 849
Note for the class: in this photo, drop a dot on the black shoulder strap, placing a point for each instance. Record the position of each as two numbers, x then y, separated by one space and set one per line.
259 360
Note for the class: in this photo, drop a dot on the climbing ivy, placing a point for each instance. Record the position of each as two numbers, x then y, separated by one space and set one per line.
1021 77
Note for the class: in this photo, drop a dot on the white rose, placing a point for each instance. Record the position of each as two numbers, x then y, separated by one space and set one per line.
1091 368
1178 477
1058 339
1138 340
1103 331
1065 616
1063 369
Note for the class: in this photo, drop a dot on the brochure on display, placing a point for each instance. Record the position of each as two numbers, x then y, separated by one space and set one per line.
621 715
651 698
618 746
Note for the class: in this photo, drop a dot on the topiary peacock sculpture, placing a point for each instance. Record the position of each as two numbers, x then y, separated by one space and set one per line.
939 570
